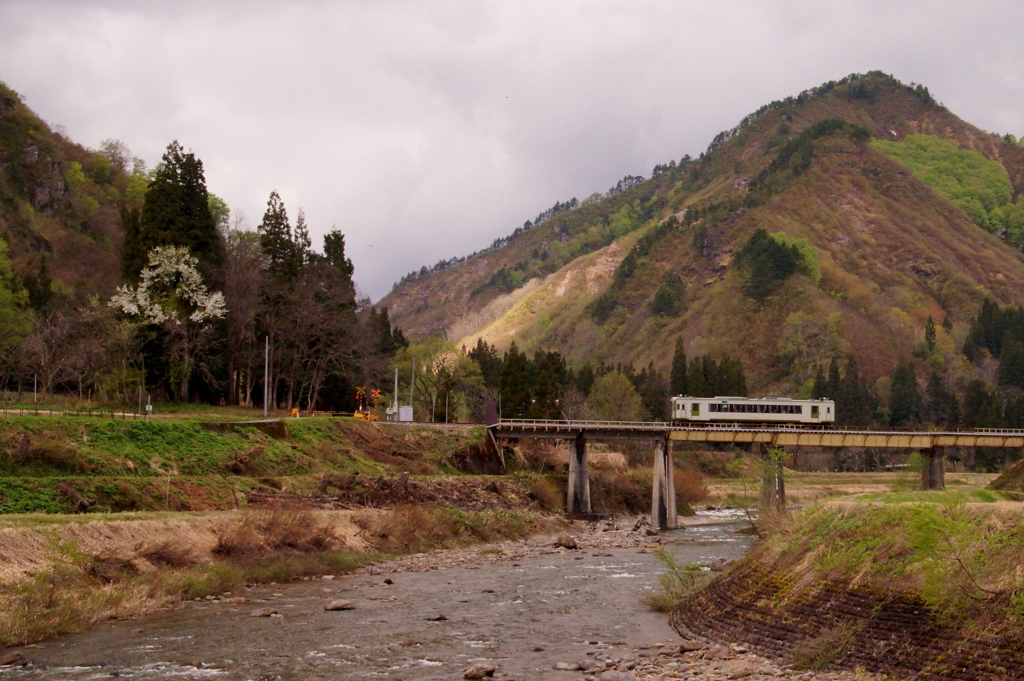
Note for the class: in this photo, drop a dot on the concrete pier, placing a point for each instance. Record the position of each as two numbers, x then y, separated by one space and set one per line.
578 495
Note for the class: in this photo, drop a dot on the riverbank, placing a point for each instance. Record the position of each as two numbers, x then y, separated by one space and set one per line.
922 585
533 609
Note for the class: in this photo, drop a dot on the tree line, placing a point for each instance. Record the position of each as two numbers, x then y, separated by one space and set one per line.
202 302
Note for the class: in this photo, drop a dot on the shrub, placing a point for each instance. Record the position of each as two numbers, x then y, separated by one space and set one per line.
546 494
676 584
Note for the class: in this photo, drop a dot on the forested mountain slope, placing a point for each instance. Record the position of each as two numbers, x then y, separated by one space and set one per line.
60 202
858 252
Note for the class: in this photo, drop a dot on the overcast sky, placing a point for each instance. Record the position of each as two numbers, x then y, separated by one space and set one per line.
425 130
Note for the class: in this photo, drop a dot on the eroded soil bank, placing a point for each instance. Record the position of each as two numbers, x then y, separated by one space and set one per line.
522 606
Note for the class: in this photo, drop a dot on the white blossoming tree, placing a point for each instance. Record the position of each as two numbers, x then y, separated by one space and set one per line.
172 296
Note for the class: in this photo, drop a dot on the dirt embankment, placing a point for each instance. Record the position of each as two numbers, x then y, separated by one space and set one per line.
919 592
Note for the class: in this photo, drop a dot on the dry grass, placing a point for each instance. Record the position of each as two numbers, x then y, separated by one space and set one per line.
548 496
415 529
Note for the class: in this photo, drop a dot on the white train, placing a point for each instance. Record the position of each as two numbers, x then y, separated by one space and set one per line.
752 410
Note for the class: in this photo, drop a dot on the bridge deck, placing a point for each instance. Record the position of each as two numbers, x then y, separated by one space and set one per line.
779 435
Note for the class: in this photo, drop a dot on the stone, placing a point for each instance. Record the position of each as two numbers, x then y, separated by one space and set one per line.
739 669
587 665
651 532
389 581
15 659
613 675
327 578
340 604
716 653
690 646
479 671
566 542
567 666
740 648
437 618
719 565
263 612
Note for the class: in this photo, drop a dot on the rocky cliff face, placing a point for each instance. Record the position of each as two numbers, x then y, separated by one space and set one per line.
59 201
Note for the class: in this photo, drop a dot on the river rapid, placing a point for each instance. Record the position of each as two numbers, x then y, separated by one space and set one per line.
523 607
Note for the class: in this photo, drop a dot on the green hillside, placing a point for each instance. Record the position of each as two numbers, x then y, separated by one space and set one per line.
878 247
60 202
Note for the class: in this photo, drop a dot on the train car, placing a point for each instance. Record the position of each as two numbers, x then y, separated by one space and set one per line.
752 410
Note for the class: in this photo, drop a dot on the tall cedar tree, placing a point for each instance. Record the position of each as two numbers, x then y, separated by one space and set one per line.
677 379
929 335
487 358
515 384
284 259
175 212
854 403
904 399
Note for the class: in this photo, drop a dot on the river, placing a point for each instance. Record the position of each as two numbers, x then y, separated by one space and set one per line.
521 606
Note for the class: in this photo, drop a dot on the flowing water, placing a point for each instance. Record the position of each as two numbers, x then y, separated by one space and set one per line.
522 611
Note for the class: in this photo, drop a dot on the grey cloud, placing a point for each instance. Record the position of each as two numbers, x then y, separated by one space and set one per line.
425 130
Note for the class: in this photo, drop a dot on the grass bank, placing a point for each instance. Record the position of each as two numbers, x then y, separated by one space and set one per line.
59 578
919 585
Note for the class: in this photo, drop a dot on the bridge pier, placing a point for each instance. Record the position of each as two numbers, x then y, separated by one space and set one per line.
578 494
932 473
664 514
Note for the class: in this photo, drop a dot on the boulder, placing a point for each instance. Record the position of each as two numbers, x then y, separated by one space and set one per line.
15 659
480 671
263 612
339 604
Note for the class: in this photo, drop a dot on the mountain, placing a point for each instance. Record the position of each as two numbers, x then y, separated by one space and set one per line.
888 209
60 202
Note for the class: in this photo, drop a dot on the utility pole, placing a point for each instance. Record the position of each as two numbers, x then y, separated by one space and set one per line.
34 387
395 404
266 374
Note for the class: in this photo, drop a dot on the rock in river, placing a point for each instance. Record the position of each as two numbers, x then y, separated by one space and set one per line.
340 604
479 671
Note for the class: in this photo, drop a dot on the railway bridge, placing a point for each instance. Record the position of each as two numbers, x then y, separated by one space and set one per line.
662 435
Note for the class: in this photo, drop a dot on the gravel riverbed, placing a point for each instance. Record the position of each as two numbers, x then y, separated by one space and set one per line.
525 610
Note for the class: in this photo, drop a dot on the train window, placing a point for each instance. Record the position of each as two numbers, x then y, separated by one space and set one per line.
695 409
799 409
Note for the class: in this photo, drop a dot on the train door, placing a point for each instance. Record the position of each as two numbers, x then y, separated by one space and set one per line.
814 412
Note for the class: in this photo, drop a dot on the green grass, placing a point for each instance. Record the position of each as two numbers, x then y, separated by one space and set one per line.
971 496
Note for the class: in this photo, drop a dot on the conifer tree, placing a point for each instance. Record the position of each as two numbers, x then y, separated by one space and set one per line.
487 358
677 379
904 399
853 403
695 378
334 252
176 212
515 384
929 335
283 258
1011 362
819 389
